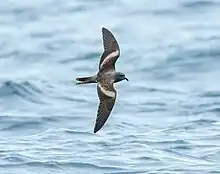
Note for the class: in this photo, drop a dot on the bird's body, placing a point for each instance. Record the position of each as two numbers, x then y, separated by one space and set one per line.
105 78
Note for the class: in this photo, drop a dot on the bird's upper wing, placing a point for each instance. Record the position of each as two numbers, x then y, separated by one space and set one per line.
107 95
111 51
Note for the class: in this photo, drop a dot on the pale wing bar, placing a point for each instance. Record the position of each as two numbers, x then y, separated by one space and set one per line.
110 59
107 100
111 50
106 92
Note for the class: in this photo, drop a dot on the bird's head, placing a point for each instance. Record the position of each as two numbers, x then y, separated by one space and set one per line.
119 76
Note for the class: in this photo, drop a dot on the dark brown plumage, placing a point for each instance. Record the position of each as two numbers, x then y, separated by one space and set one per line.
105 78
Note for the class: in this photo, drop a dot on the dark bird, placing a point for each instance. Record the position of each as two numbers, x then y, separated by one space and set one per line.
105 78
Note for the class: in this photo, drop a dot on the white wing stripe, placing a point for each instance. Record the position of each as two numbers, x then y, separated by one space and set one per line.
110 56
107 92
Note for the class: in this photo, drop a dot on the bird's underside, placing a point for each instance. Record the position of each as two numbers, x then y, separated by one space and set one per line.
105 79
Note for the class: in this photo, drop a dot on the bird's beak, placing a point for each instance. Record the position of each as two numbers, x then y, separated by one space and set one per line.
126 78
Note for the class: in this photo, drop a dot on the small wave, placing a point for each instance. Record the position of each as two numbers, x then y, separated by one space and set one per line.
25 90
191 125
203 121
186 158
165 12
50 119
41 35
21 125
58 165
128 172
181 147
208 110
78 132
157 89
211 94
198 4
177 66
14 158
204 54
172 142
89 165
88 56
71 99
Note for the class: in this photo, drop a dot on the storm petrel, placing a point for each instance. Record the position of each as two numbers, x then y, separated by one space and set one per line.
105 78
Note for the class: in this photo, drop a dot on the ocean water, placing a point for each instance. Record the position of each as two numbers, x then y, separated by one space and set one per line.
167 117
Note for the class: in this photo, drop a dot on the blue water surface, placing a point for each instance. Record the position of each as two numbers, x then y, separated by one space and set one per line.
167 117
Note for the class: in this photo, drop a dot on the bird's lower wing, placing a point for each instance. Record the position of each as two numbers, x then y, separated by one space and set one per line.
107 100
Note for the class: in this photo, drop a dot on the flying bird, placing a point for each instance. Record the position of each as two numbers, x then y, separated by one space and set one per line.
105 78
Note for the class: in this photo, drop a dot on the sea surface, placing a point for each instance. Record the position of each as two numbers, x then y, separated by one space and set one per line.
166 119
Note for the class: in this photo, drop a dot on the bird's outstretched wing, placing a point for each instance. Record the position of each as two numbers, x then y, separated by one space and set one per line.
107 95
111 51
109 41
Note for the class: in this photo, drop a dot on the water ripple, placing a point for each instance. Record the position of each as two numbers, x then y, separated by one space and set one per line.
21 89
166 118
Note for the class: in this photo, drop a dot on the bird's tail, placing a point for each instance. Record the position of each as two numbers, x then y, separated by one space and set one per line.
85 80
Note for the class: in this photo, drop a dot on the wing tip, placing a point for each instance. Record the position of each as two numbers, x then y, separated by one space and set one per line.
106 31
98 126
103 29
96 129
109 40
